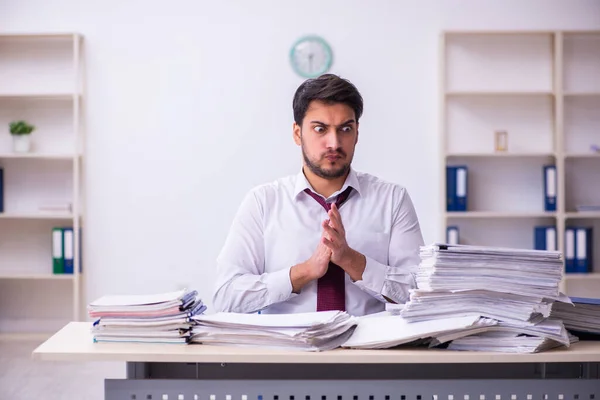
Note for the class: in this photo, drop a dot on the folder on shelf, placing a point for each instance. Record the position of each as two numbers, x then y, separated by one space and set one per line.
456 188
57 251
68 245
545 238
550 187
569 250
583 250
452 236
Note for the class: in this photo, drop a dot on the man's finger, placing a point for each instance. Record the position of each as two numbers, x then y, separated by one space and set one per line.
333 234
336 218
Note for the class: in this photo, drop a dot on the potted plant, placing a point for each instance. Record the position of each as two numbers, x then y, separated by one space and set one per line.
21 133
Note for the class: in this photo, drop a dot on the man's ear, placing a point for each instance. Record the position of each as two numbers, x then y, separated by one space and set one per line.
356 141
297 133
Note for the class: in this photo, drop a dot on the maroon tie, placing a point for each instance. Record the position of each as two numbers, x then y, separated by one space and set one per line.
331 287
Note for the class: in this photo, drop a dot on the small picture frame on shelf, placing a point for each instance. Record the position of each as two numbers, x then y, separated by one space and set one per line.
501 141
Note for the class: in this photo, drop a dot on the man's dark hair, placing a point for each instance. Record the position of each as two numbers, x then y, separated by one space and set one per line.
330 89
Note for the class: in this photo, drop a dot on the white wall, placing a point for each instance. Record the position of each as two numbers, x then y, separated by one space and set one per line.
189 105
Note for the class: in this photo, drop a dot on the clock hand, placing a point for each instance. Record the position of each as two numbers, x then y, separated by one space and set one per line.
310 58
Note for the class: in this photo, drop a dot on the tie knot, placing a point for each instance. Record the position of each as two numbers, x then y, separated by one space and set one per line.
341 198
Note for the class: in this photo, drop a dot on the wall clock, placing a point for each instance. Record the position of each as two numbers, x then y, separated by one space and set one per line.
311 56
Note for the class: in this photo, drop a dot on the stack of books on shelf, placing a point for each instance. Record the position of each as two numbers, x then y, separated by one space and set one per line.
312 331
476 298
581 318
157 318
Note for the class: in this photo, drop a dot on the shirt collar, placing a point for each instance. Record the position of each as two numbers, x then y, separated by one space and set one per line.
302 183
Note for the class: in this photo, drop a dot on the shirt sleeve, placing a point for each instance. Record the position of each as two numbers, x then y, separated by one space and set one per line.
242 285
394 281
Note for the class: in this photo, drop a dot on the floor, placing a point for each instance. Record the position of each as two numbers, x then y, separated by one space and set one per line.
21 377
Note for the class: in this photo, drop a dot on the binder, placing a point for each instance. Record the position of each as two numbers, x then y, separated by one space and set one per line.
456 188
68 246
450 188
583 250
57 251
452 235
550 187
461 188
569 250
545 238
1 190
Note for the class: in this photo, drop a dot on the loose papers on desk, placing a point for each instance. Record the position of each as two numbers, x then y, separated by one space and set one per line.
582 317
313 331
157 318
502 293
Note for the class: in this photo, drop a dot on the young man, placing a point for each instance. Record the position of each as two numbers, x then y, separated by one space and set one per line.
328 237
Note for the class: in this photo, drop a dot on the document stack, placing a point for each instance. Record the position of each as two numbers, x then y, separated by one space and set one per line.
581 318
316 331
157 318
512 289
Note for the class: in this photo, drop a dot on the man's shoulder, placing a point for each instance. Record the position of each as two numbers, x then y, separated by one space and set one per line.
373 183
275 187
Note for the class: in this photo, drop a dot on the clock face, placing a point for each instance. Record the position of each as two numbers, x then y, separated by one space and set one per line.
311 56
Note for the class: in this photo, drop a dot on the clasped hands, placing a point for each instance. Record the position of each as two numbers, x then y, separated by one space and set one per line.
332 247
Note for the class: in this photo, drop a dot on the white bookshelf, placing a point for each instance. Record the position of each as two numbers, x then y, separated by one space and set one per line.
41 81
543 89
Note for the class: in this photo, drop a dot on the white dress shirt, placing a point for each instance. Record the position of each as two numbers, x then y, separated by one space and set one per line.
278 225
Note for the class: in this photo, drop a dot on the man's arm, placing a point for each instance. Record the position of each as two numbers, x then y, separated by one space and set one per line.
385 282
242 285
393 281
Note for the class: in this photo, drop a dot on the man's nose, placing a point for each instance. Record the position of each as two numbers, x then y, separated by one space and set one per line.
333 140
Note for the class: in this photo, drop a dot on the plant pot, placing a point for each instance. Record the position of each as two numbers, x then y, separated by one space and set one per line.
21 143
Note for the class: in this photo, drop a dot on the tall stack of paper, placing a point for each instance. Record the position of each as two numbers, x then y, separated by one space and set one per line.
514 287
316 331
158 318
582 317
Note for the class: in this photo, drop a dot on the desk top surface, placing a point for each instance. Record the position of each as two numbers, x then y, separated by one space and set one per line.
74 342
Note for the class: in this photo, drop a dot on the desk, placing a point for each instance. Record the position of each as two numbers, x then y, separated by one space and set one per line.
181 372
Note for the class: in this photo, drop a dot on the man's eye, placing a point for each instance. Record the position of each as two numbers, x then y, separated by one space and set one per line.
347 129
319 129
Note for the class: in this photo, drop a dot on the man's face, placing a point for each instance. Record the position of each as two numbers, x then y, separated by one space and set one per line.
328 136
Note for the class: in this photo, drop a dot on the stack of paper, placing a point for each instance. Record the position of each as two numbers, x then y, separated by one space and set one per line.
157 318
387 330
582 317
314 331
513 287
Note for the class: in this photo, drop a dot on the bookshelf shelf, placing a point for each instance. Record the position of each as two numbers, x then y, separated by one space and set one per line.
499 93
49 277
580 277
38 96
40 216
41 82
492 214
500 155
543 90
583 215
39 156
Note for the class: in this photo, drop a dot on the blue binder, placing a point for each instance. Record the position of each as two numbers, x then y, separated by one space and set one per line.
450 188
456 188
69 242
452 235
545 238
583 250
550 187
569 250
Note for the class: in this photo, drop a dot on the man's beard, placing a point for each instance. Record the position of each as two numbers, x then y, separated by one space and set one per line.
323 173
